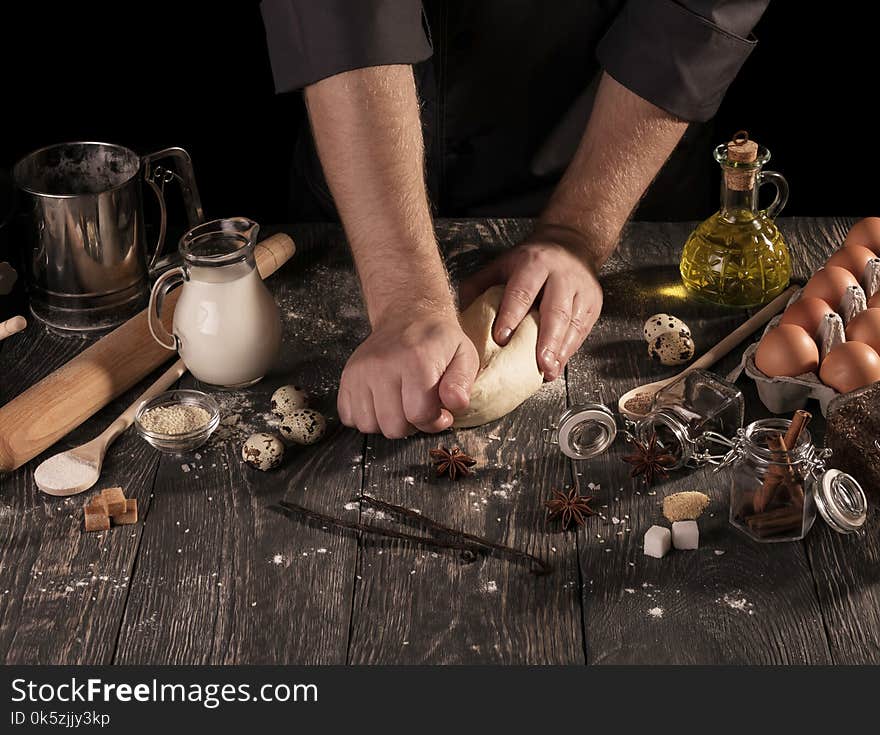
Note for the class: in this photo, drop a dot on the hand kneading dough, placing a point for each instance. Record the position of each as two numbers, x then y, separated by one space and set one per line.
508 375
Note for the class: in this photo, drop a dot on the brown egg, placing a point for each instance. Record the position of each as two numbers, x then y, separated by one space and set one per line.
874 301
865 232
787 350
850 365
854 258
807 312
865 327
829 284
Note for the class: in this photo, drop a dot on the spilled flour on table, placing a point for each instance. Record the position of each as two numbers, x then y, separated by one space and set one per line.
240 416
735 601
367 511
656 612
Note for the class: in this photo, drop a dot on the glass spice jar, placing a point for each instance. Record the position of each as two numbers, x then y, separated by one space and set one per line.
776 493
688 415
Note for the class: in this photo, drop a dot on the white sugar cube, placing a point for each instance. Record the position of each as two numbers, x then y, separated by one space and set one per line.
658 541
685 535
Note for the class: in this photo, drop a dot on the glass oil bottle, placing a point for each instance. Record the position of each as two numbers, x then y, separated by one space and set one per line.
738 257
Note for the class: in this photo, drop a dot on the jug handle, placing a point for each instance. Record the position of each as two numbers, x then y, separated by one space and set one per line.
163 223
184 173
781 185
154 319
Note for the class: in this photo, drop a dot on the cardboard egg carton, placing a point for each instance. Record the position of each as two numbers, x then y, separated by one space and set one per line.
786 395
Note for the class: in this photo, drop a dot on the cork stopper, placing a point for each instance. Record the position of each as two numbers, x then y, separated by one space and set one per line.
741 150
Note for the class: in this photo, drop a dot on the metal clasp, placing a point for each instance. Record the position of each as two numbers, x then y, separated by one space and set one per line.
700 458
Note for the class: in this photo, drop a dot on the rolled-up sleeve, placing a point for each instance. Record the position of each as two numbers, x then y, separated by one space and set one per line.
310 40
680 56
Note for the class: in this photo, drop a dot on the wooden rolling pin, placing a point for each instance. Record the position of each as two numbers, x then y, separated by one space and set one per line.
52 408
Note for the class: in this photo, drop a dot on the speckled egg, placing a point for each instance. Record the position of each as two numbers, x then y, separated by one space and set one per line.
287 399
303 426
263 451
671 348
660 323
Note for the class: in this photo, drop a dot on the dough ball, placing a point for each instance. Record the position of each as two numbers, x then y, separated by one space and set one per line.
671 348
263 451
659 323
303 426
287 399
508 375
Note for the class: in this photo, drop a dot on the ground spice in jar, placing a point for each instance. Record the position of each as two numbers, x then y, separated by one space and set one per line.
178 419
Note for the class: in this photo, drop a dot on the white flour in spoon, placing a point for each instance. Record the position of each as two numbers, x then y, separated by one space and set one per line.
65 471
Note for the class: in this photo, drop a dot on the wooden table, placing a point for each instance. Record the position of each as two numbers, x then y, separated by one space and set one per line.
213 575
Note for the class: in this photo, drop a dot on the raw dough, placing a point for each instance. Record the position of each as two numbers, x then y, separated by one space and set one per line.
508 375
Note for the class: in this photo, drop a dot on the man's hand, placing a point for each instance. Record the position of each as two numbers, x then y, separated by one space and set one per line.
408 375
625 143
570 295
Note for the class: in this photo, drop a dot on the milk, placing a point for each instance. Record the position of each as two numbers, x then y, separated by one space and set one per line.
227 324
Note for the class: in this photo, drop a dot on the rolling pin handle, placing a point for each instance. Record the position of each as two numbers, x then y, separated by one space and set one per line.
154 319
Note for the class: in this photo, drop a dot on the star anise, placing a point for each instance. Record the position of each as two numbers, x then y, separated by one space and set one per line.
568 507
650 460
452 462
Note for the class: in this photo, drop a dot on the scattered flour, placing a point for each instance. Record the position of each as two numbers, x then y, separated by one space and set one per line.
656 612
735 601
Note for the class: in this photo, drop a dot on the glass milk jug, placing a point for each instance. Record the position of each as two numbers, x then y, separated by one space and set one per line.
738 257
226 326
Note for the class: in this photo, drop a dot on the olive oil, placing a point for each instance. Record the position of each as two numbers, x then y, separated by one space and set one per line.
738 256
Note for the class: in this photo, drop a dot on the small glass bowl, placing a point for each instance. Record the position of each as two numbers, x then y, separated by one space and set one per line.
179 443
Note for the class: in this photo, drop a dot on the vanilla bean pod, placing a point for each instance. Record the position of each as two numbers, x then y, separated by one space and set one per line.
470 543
433 526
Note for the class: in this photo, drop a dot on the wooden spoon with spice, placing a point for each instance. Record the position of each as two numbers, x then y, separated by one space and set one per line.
77 469
636 402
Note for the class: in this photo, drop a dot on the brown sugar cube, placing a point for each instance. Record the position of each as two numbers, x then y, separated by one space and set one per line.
96 518
130 516
115 499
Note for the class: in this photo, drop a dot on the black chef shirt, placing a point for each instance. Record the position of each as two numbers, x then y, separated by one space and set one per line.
507 85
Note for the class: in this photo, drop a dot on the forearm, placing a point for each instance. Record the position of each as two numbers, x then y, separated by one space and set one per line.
626 142
368 134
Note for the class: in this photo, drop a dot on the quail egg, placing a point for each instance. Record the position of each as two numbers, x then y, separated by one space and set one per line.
303 426
672 348
263 451
660 323
287 399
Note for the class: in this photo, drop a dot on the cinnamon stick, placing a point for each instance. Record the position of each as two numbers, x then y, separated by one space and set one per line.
776 521
778 475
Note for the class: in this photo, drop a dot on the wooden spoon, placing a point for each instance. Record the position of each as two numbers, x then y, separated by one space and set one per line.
710 357
77 469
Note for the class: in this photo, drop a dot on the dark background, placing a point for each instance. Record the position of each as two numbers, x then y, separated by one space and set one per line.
150 75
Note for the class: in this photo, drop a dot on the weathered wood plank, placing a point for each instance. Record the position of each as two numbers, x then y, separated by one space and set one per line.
732 601
222 579
62 591
412 606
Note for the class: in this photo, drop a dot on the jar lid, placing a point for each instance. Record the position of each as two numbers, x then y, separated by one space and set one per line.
841 501
586 430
